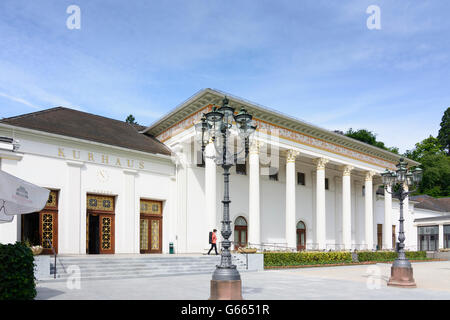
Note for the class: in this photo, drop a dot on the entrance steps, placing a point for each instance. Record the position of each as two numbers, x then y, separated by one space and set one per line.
137 266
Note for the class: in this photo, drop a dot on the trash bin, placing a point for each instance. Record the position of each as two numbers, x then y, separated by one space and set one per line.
171 251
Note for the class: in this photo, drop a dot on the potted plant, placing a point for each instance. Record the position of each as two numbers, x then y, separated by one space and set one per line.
36 250
247 250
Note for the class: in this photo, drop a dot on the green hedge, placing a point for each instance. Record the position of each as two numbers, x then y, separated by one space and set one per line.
272 259
278 259
16 272
389 255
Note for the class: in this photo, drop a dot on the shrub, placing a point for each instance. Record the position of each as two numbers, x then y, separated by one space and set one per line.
16 272
305 258
389 255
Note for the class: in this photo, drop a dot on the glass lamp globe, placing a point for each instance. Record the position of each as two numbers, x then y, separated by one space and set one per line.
417 175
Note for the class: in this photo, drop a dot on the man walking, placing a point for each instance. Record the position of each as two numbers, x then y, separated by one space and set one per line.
212 241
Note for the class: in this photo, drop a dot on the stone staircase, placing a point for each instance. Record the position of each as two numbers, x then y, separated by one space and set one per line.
137 266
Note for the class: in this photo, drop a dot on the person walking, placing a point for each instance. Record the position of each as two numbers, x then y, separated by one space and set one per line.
212 241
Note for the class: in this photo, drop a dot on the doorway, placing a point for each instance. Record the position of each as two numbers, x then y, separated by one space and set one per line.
41 228
94 234
301 236
30 229
379 236
150 226
100 225
240 232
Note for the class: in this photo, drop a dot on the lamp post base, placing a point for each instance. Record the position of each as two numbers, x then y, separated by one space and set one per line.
402 277
226 290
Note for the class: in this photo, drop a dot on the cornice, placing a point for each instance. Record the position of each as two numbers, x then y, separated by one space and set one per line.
206 98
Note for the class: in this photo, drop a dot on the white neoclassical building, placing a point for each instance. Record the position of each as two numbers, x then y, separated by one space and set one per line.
122 188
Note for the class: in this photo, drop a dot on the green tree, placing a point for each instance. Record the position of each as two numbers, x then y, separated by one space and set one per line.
444 132
430 145
131 119
436 167
368 137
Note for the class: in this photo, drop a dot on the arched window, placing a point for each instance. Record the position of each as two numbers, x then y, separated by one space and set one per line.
240 232
301 236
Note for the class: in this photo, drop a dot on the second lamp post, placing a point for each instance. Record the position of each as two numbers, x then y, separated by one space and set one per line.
396 181
230 133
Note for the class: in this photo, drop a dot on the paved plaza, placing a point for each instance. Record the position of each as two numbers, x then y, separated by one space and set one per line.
345 282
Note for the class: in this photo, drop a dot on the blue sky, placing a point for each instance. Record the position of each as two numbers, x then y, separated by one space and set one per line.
315 60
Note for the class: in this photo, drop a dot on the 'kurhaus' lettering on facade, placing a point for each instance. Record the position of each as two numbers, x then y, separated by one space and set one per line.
99 158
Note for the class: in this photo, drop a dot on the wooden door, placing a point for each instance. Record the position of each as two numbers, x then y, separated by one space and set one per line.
151 226
151 234
48 231
106 225
102 207
240 236
379 236
301 239
394 240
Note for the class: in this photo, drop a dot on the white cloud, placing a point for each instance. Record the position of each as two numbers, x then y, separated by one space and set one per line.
19 100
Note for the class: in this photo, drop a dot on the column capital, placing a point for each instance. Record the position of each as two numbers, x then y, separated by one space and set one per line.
320 163
346 170
291 155
369 175
254 146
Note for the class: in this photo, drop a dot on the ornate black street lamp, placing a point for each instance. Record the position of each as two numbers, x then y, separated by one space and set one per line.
401 270
230 135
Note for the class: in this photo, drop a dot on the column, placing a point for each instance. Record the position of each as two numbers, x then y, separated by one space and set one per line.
407 223
72 221
441 236
128 221
320 203
291 232
346 208
387 226
368 217
254 227
210 188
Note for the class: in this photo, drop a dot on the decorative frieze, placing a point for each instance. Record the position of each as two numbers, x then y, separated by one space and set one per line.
283 133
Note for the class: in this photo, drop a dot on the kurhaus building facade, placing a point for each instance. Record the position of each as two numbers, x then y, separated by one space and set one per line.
123 188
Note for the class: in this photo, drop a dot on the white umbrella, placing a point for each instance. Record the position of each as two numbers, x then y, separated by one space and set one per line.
19 197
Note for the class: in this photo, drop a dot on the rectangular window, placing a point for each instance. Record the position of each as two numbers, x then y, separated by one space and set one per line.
241 168
326 184
428 238
363 191
447 237
301 178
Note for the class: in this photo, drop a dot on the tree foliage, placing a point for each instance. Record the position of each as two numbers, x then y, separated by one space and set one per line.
369 137
131 119
436 167
444 132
